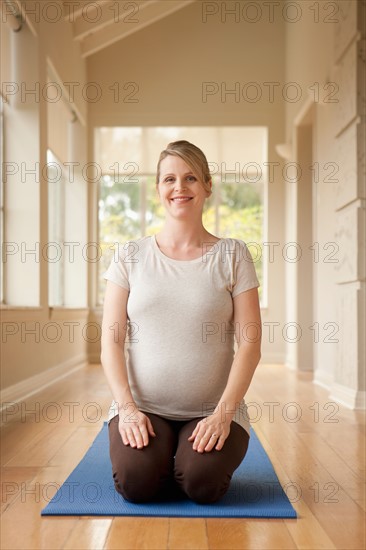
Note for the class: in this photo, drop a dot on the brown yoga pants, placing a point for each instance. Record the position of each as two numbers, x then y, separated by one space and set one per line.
168 465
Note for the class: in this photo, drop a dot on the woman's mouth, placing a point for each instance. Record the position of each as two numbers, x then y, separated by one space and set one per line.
179 200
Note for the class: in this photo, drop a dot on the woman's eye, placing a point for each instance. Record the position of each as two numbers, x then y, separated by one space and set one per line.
190 178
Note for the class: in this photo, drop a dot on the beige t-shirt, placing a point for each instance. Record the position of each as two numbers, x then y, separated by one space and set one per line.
180 332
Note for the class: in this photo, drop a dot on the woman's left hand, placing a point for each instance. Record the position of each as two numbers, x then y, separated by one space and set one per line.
210 431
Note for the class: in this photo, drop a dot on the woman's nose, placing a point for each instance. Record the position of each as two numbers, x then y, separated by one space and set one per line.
179 185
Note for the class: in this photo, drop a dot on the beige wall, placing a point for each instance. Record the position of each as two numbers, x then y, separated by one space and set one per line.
333 55
170 60
309 56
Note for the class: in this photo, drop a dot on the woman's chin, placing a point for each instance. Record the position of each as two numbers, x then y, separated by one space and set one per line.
179 213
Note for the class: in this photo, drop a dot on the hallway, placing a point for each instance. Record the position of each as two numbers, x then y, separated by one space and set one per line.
275 93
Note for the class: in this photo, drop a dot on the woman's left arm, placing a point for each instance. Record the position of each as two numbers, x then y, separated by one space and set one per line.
248 333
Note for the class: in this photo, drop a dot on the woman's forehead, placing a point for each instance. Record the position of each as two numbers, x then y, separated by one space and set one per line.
172 163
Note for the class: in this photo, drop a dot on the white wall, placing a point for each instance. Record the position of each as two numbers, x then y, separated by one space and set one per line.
333 55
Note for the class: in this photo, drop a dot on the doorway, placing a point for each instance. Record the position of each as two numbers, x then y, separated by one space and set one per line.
301 260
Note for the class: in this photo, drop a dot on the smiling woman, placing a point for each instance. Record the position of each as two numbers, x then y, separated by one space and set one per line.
183 183
179 421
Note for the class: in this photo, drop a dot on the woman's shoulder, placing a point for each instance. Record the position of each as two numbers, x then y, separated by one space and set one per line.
232 239
139 243
233 242
128 251
235 248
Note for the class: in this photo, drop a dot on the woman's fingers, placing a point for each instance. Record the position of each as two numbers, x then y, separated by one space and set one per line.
150 427
207 435
220 443
124 438
136 434
206 442
131 437
139 442
144 435
194 433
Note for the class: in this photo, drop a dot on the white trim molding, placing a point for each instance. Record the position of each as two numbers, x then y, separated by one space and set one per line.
24 389
323 379
350 398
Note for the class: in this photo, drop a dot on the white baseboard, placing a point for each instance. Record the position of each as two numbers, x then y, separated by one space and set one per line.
323 379
348 397
24 389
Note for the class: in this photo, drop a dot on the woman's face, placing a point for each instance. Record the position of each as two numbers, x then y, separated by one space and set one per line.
181 193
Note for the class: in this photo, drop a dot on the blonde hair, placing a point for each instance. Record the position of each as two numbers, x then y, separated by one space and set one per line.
193 156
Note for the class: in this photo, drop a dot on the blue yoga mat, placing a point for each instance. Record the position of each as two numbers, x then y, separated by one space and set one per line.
254 490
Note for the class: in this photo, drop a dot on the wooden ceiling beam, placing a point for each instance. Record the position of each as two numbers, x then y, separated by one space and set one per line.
109 13
73 9
151 13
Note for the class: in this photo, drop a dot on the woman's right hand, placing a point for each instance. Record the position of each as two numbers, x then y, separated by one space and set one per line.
134 426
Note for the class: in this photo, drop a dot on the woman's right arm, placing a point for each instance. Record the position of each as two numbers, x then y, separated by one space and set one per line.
134 425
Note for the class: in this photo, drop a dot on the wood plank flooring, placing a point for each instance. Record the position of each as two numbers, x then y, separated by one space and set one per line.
317 448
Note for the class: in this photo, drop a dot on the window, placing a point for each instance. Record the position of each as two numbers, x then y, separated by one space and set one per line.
67 205
20 174
129 207
2 224
56 230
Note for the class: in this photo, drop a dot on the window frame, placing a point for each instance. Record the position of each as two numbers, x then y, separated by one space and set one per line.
61 212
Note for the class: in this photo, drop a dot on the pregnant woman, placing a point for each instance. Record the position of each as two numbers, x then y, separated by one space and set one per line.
174 301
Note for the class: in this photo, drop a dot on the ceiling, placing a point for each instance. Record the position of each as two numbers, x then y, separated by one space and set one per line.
96 24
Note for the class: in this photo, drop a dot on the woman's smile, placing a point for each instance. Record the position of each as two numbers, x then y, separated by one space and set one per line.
181 199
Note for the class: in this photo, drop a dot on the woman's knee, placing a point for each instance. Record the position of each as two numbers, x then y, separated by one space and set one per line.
136 485
201 484
204 490
140 473
205 477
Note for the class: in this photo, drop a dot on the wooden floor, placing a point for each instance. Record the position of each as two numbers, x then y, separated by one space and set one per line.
319 459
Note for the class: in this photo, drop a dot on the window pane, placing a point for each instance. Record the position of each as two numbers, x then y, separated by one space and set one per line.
158 138
119 217
154 209
241 217
244 145
56 239
118 150
2 225
209 214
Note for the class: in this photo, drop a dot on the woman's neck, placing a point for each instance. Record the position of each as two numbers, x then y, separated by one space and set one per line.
180 235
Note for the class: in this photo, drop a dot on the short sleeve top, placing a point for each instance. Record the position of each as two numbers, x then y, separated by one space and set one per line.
180 334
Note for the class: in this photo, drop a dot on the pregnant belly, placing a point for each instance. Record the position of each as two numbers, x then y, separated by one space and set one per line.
179 384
